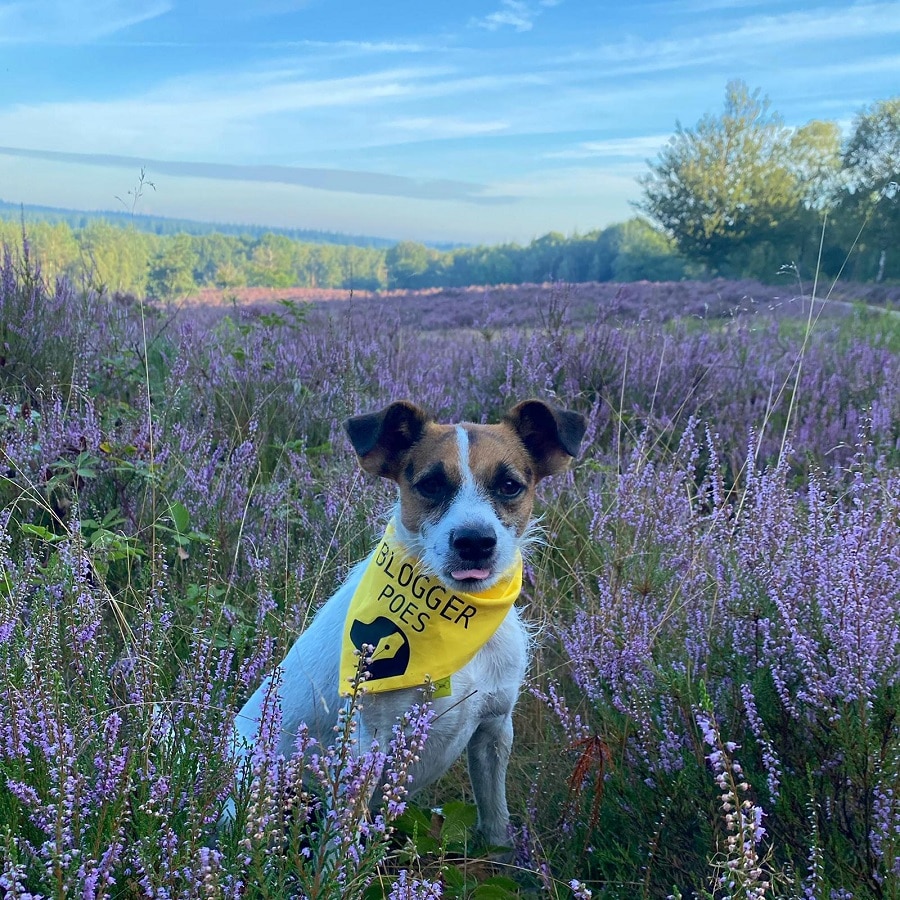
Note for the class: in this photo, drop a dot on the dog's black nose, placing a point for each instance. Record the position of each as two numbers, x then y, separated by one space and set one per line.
473 544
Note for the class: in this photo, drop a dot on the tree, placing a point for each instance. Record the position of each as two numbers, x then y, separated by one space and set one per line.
217 258
407 263
172 269
272 262
814 159
545 258
114 258
645 254
815 162
726 185
872 193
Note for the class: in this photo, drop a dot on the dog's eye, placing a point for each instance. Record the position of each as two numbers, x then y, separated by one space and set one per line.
509 488
432 487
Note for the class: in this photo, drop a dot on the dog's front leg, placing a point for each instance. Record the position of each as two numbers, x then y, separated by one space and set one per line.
488 756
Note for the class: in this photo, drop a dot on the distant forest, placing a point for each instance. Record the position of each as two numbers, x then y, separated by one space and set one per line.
125 260
737 196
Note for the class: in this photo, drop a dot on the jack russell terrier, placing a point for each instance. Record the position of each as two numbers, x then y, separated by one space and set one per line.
433 603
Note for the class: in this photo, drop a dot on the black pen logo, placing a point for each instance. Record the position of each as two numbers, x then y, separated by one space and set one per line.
391 655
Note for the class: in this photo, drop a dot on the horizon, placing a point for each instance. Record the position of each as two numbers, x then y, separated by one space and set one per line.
493 121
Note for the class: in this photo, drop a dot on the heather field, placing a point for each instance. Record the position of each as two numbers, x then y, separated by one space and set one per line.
713 709
507 305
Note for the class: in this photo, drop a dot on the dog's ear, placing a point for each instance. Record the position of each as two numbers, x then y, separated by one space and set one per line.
381 438
551 435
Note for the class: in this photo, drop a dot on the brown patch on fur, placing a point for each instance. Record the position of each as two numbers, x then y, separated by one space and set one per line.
399 442
382 437
497 455
551 435
437 444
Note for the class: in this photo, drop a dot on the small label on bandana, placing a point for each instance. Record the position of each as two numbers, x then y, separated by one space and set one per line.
422 631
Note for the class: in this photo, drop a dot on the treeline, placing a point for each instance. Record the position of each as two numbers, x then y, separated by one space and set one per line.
743 195
130 261
164 266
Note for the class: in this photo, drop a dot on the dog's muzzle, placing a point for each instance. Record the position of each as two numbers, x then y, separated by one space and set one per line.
474 549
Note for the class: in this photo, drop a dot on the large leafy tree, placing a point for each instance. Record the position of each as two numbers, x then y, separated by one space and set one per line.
725 185
815 161
814 158
871 198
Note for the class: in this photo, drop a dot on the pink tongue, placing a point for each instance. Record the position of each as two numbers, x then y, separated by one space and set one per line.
463 574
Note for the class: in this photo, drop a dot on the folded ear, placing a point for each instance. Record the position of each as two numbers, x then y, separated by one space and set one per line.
381 438
551 435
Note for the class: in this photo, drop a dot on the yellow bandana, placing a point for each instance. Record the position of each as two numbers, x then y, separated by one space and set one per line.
421 630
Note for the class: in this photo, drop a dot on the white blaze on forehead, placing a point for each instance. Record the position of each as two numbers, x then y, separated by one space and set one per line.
465 470
471 498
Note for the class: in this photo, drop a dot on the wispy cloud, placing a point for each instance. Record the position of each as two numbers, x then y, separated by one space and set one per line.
716 44
613 148
361 46
73 21
430 127
516 14
323 179
221 115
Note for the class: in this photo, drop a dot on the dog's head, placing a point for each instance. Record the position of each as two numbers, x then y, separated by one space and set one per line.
466 491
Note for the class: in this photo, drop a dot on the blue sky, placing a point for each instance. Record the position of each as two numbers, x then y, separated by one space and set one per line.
472 120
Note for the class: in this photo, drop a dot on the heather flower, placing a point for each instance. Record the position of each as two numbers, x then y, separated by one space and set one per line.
580 891
13 876
885 833
405 887
743 871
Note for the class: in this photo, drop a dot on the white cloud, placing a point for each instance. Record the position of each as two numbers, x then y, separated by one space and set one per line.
361 47
763 33
517 14
430 127
627 148
252 114
73 21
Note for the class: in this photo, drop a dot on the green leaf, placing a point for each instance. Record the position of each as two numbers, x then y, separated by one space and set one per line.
376 891
181 518
41 532
459 817
459 810
492 889
416 824
502 881
412 821
454 881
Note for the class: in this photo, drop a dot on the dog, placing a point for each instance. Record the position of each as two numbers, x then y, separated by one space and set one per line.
463 516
